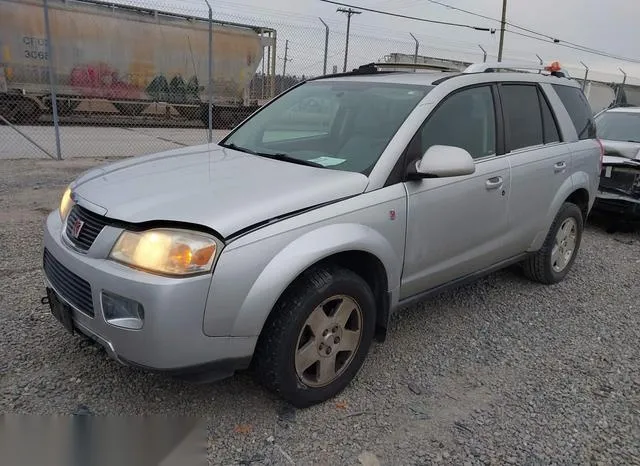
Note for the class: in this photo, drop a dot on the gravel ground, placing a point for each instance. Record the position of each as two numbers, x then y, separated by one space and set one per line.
500 372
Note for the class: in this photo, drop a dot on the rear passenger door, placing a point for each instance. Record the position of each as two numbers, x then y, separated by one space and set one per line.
540 161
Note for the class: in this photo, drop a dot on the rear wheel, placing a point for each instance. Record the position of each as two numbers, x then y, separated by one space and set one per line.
317 337
558 253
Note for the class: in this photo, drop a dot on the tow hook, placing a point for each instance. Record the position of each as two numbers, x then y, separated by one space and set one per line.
44 300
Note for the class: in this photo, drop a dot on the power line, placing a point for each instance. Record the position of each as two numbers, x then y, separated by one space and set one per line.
555 40
303 21
579 48
415 18
473 13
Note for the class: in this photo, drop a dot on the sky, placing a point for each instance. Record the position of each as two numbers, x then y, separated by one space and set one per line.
609 26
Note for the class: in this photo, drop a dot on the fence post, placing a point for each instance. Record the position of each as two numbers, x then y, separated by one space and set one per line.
621 88
210 76
484 53
52 80
273 64
586 73
326 46
541 62
415 53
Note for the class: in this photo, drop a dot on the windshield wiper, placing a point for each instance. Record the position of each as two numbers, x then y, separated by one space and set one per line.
234 146
288 158
275 156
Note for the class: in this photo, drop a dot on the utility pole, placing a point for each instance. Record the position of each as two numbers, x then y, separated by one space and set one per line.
502 27
286 53
284 66
349 12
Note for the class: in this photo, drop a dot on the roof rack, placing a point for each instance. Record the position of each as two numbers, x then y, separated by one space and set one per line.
424 66
554 69
376 68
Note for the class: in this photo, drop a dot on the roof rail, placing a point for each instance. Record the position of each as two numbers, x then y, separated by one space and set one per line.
416 66
369 68
376 68
554 69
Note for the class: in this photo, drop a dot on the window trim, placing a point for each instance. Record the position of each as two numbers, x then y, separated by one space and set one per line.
399 172
543 97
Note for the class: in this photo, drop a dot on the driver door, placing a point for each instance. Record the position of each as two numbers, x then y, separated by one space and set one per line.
456 226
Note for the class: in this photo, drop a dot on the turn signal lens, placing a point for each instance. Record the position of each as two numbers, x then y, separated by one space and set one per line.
166 251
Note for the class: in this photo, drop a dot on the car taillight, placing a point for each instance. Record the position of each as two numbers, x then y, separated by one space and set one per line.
601 153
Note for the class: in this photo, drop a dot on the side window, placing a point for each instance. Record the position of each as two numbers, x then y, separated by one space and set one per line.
549 126
579 110
523 120
465 119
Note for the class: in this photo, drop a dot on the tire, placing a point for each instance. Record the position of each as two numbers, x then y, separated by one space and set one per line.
288 330
543 267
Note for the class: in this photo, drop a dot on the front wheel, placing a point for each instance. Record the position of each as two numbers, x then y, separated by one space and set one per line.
317 336
558 253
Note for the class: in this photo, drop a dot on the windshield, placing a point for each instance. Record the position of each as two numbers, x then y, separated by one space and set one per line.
341 125
619 126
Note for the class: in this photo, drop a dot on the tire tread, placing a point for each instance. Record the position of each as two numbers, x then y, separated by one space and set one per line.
535 267
268 361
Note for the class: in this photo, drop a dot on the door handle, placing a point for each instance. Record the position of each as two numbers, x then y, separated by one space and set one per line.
559 167
494 183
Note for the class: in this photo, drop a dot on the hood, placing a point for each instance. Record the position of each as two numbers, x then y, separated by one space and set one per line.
629 150
219 188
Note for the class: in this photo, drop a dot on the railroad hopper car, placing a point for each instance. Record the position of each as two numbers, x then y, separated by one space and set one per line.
122 60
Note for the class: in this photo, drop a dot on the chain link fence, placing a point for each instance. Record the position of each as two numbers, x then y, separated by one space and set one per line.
83 78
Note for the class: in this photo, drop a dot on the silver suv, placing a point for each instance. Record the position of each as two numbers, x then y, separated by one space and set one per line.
286 247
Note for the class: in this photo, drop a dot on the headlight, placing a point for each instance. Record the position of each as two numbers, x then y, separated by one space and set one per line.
166 251
65 204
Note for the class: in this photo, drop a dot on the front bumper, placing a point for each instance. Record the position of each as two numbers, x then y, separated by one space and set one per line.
171 338
626 207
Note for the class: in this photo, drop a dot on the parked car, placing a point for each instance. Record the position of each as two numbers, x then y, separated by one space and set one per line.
286 249
619 190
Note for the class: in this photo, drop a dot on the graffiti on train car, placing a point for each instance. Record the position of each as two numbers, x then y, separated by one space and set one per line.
100 80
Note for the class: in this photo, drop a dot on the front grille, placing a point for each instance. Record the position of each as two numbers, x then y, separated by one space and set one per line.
91 227
71 287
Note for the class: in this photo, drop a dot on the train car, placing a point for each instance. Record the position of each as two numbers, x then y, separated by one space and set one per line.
120 59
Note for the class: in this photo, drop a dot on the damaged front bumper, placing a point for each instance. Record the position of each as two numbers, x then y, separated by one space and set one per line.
619 191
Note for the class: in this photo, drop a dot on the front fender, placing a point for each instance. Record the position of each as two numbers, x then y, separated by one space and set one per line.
299 255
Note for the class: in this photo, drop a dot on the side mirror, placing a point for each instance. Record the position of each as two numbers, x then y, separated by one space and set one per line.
443 162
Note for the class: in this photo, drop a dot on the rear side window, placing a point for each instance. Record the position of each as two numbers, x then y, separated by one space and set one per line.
523 119
551 133
579 110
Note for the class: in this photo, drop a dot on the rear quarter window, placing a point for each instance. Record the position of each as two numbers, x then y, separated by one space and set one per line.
579 110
